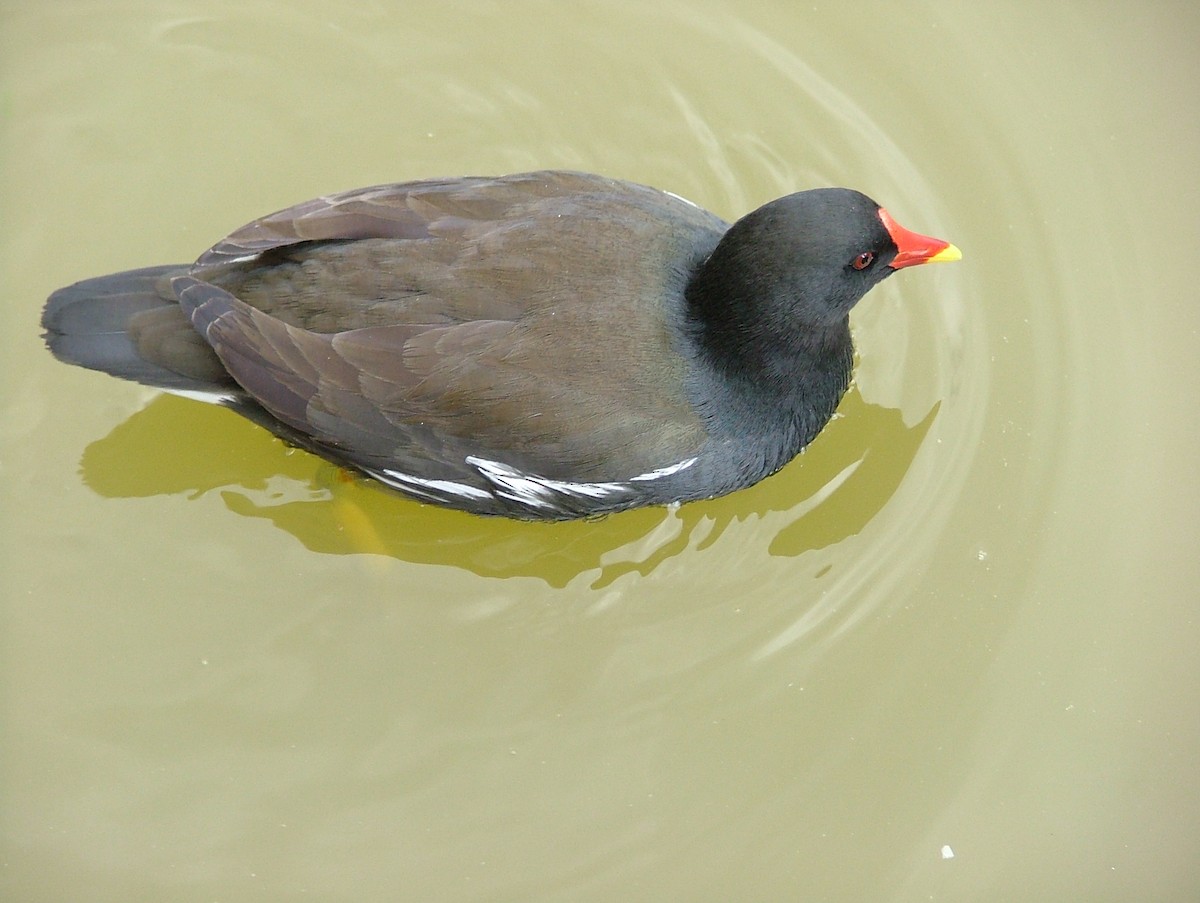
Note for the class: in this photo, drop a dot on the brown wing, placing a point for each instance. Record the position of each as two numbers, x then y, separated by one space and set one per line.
415 210
520 319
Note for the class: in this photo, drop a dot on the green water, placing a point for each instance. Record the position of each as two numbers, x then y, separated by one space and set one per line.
948 653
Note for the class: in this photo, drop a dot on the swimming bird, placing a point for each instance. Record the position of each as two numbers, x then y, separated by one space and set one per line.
545 345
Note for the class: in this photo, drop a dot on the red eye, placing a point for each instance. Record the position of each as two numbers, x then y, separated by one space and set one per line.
863 260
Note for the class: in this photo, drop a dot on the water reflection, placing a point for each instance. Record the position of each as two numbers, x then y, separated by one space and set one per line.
829 493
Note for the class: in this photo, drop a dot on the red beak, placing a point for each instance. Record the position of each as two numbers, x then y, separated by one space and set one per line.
914 248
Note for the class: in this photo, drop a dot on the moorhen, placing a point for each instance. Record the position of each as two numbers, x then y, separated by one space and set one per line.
546 345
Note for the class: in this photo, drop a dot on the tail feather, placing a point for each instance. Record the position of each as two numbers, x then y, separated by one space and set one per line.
130 325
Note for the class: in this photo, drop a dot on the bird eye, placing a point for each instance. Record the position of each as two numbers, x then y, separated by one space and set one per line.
863 260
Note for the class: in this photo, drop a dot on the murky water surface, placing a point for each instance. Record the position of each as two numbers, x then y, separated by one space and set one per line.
948 653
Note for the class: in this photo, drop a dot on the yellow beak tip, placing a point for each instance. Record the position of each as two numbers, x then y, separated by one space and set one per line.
947 254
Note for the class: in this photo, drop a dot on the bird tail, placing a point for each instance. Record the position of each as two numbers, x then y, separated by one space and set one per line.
130 325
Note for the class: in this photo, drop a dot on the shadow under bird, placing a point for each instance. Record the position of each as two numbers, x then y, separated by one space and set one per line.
545 345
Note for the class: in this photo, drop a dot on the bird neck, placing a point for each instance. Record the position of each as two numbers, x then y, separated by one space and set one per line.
764 371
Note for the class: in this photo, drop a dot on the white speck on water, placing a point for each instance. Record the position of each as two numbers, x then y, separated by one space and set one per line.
947 853
981 555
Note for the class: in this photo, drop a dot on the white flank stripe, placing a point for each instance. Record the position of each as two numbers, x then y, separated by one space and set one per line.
665 471
681 198
538 491
201 395
517 486
445 487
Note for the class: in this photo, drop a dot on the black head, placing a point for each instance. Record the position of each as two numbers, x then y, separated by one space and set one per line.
785 276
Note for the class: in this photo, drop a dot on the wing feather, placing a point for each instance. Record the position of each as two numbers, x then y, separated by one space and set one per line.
410 327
